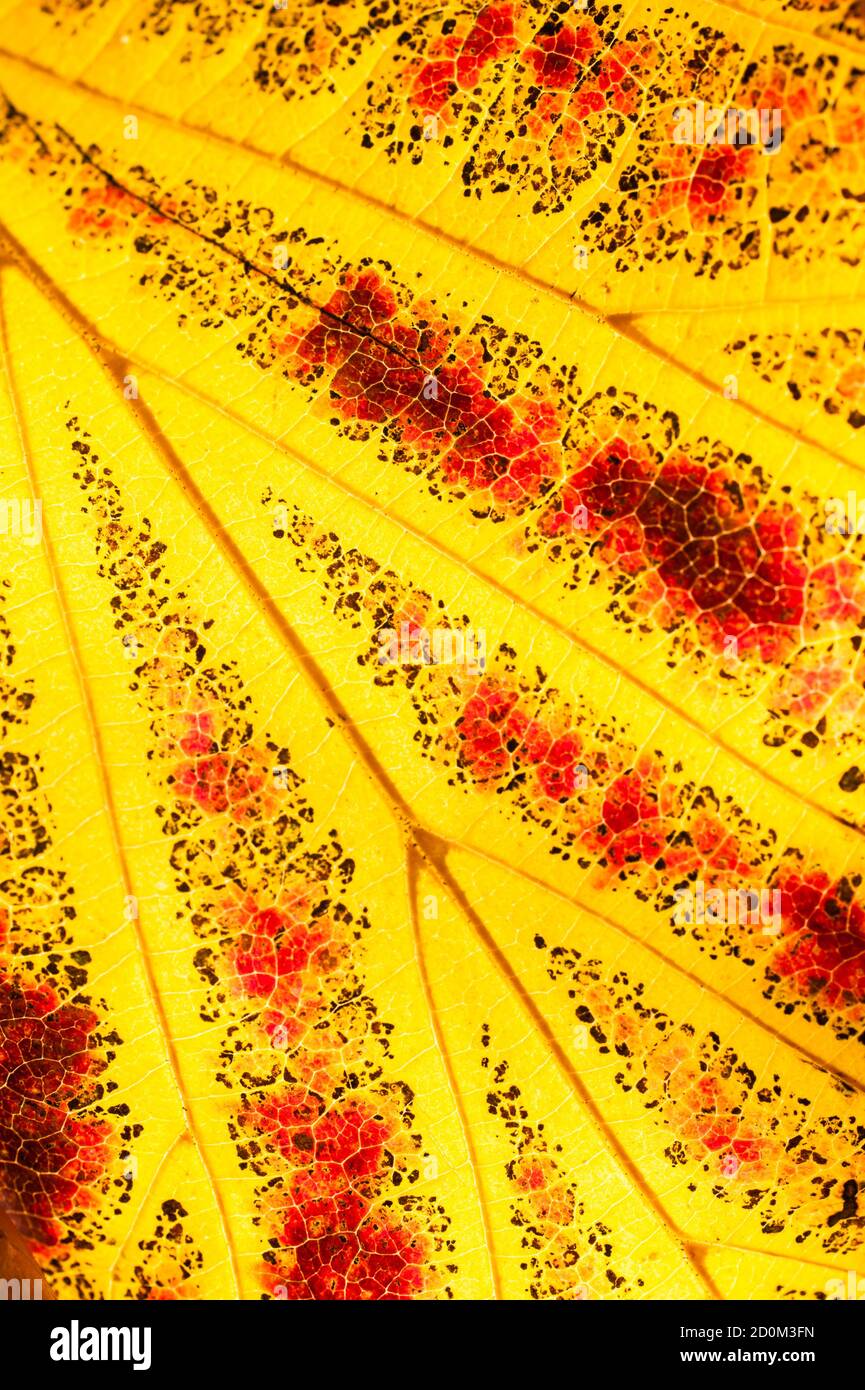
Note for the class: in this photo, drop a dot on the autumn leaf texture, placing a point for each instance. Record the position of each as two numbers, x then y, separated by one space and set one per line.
431 608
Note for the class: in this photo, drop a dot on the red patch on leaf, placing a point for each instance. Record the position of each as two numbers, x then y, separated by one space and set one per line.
48 1157
388 372
823 948
559 59
497 736
463 63
737 572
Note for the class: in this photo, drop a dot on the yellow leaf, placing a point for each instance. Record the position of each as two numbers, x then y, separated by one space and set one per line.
433 763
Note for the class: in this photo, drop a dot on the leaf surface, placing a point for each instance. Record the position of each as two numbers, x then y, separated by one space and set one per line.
329 973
